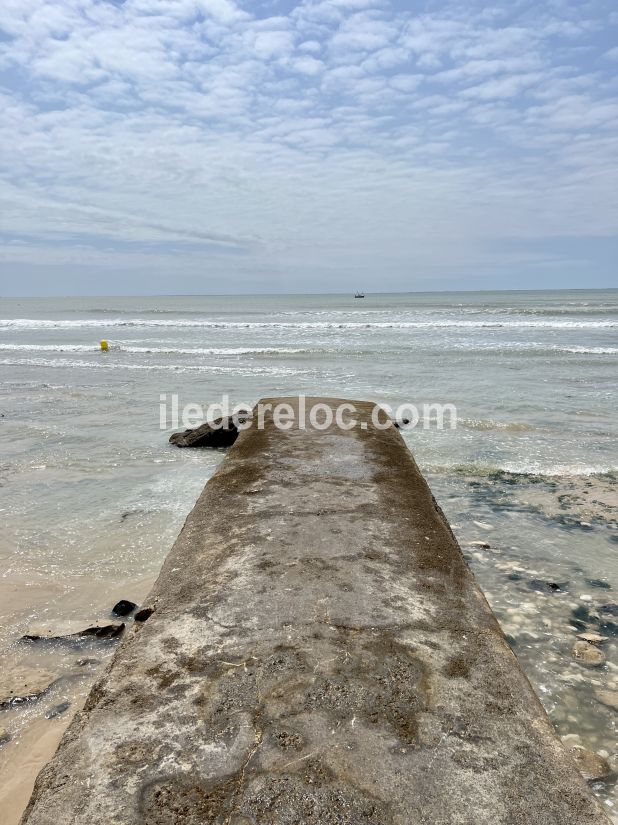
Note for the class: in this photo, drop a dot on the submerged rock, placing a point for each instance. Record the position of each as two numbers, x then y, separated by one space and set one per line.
547 587
57 710
609 609
74 631
5 737
591 766
21 684
482 545
222 432
588 655
593 638
609 698
601 583
123 607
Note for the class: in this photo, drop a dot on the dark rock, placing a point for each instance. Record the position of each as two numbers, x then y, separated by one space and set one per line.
5 737
547 587
581 613
609 609
57 710
577 624
123 607
599 583
87 662
222 432
144 614
72 631
128 513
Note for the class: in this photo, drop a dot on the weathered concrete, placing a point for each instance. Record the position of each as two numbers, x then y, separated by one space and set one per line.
318 652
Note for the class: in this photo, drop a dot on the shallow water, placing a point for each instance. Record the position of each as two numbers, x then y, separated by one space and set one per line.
93 497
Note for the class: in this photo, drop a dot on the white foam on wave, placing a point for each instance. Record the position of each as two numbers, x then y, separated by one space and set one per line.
40 323
64 363
157 350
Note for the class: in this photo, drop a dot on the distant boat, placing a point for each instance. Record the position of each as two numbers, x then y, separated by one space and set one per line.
359 295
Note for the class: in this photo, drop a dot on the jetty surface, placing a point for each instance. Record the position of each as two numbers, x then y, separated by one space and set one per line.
314 651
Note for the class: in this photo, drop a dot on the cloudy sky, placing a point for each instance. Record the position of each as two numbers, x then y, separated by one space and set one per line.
188 146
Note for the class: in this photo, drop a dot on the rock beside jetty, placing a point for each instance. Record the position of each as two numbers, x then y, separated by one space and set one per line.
588 655
222 432
20 684
123 608
591 766
74 631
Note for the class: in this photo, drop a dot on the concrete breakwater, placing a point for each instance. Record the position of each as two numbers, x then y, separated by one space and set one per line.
315 650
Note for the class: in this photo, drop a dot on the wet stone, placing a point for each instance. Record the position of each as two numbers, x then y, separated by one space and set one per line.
541 586
123 608
588 655
600 583
592 638
5 737
591 766
57 710
73 631
608 609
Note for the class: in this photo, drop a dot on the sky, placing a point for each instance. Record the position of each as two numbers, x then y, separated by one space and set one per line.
208 146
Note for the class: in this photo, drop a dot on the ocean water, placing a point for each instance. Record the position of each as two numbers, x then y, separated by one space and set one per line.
93 496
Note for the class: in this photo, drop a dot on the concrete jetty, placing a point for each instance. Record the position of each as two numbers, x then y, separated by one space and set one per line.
314 651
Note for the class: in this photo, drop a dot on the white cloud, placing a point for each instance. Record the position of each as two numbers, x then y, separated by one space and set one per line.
343 125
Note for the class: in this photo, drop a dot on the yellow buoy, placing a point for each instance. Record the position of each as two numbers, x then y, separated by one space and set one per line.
104 346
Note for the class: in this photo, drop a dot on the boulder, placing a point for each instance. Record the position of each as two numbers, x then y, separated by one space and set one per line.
74 631
591 766
123 608
222 432
5 737
588 655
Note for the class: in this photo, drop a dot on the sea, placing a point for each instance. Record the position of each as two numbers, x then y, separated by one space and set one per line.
93 495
